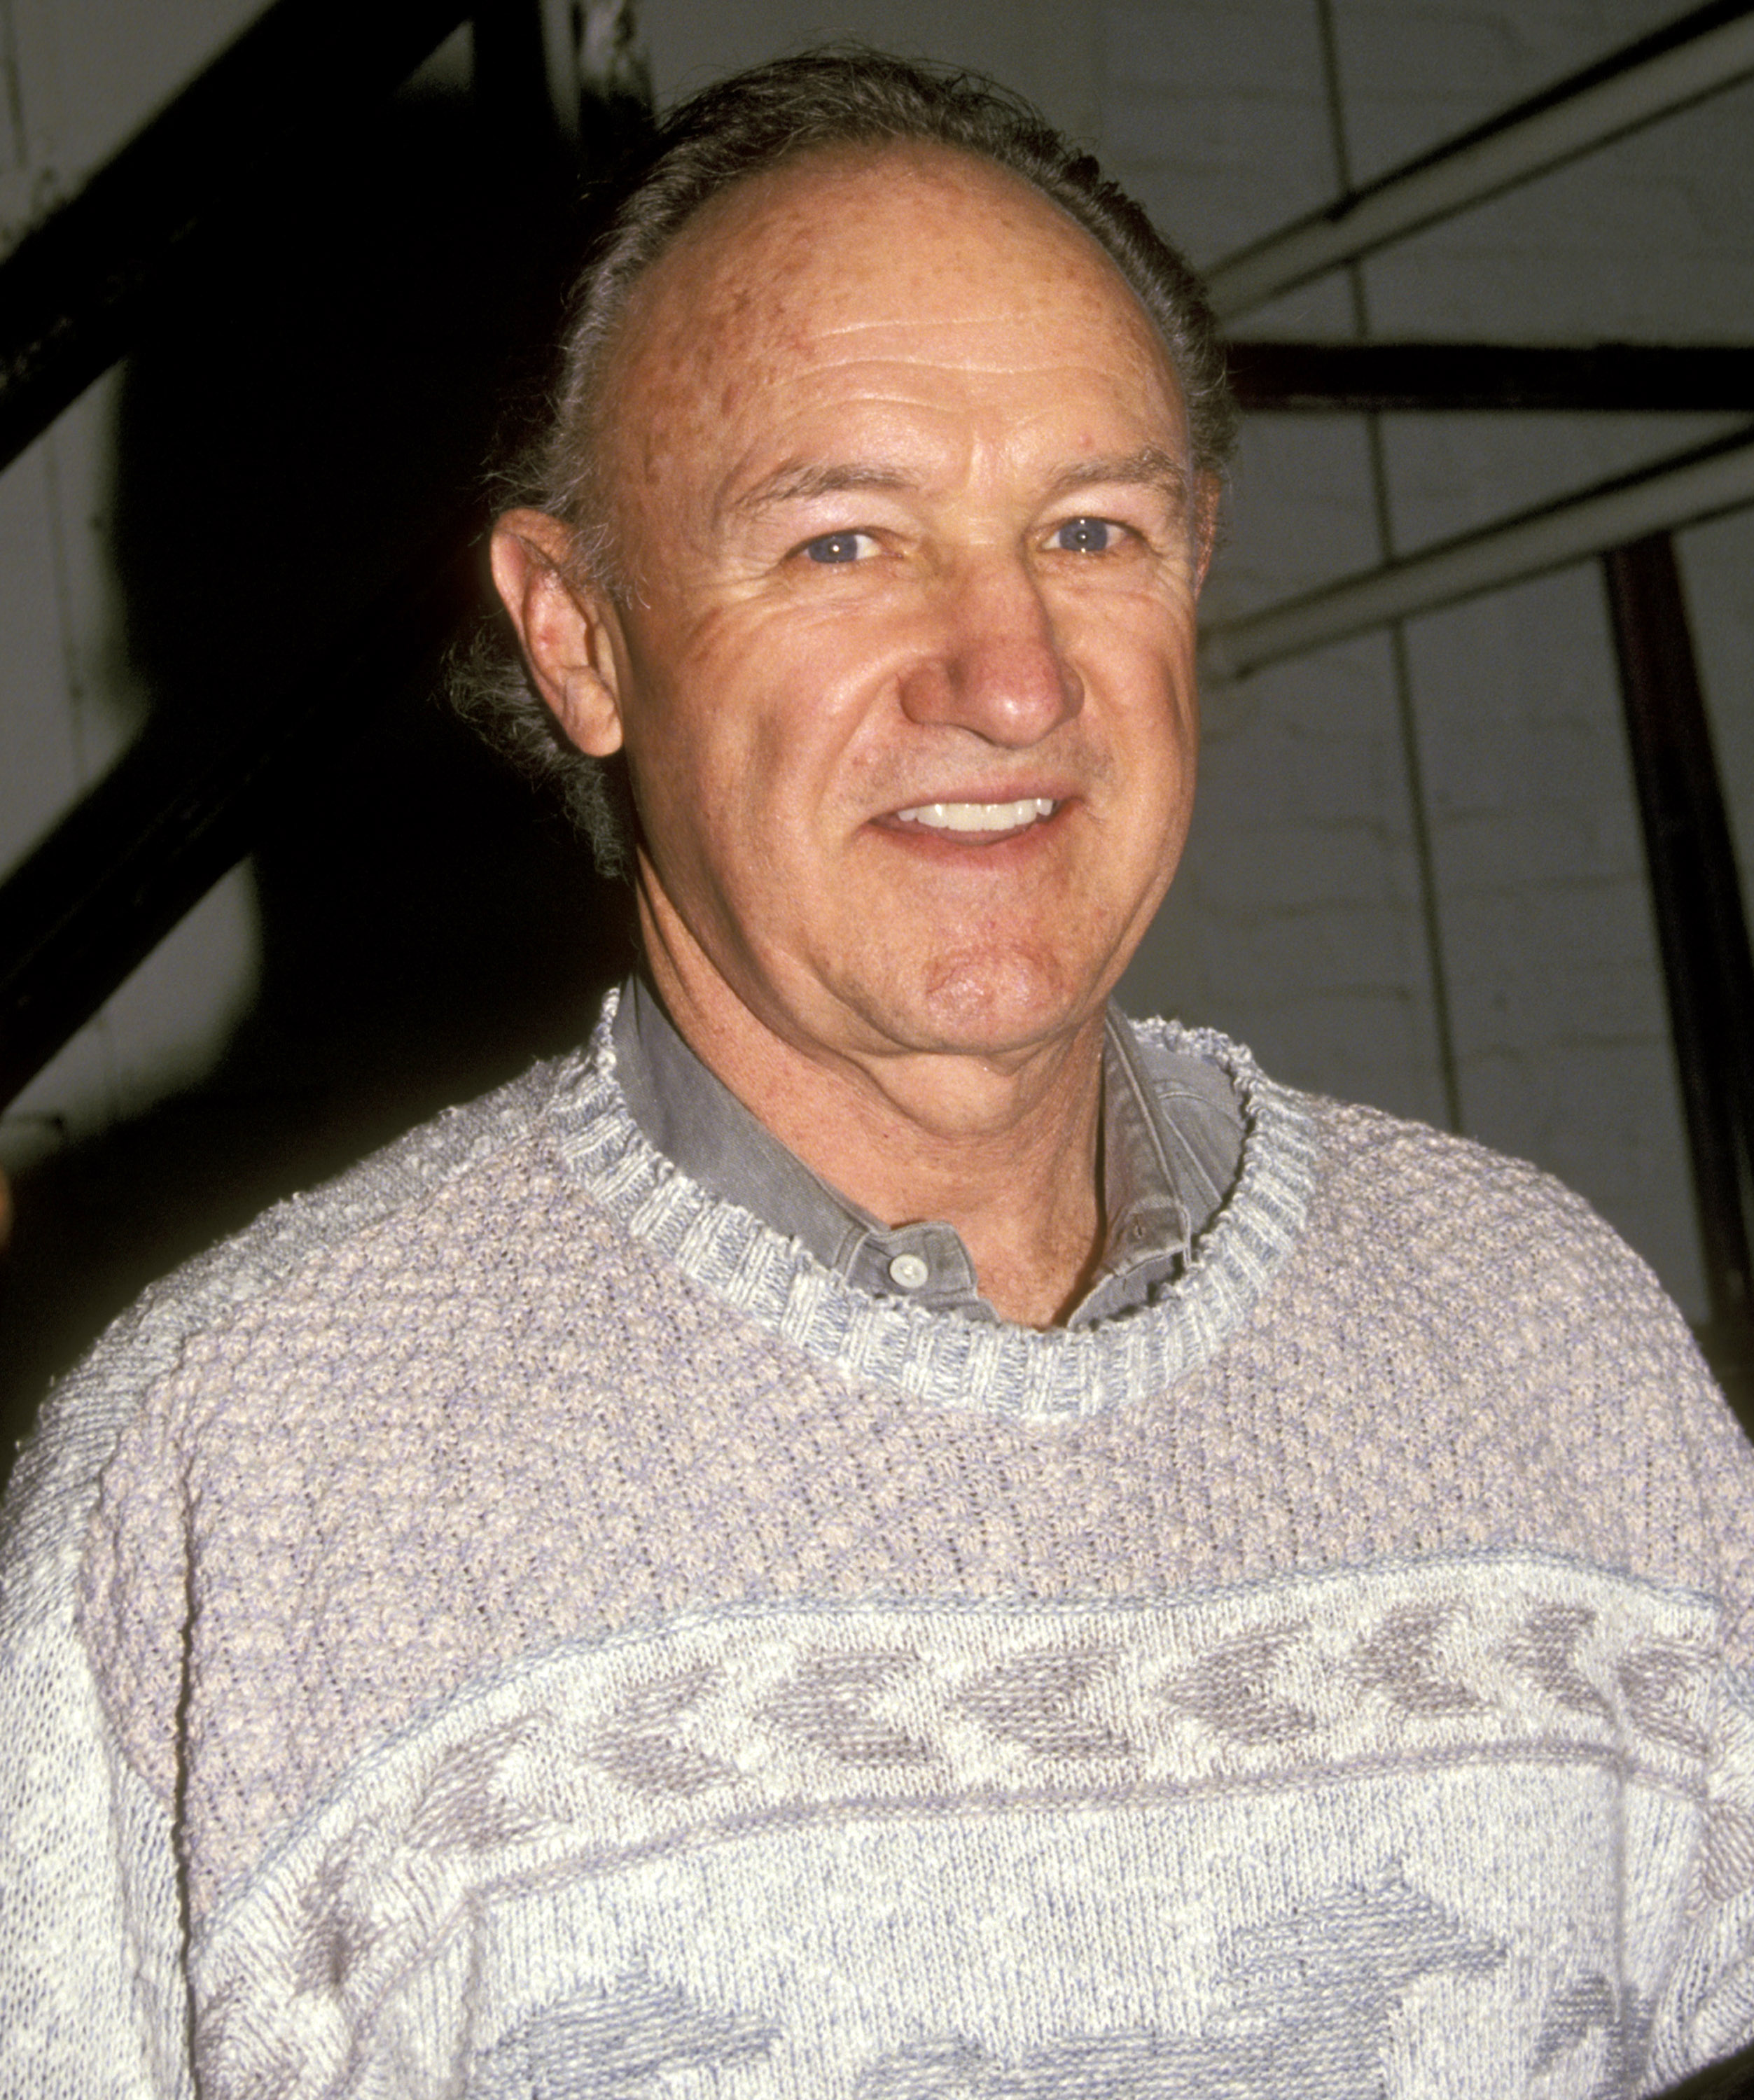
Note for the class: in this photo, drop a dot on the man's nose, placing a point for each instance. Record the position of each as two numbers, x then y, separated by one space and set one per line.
992 662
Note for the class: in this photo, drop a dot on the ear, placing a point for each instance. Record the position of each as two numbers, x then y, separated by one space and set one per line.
565 626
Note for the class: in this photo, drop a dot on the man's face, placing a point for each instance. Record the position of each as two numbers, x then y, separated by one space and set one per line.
905 666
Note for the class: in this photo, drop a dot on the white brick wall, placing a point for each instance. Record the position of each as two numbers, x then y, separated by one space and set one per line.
1300 918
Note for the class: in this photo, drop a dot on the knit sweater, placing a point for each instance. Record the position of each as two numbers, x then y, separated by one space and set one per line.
510 1624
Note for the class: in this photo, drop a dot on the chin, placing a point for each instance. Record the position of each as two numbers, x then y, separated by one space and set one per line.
993 1004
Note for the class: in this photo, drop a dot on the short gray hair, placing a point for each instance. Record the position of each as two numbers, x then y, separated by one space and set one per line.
728 132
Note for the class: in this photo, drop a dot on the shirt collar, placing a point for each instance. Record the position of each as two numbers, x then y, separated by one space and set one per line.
1171 1139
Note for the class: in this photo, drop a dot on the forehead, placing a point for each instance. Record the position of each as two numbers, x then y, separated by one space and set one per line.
881 257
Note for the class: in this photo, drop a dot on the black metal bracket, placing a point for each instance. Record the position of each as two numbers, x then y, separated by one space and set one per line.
1702 928
1434 377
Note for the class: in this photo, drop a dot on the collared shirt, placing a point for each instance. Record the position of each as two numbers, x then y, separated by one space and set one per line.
1172 1140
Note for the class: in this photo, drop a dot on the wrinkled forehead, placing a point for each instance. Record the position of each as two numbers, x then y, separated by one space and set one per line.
891 251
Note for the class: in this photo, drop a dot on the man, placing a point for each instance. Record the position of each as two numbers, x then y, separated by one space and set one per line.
883 1530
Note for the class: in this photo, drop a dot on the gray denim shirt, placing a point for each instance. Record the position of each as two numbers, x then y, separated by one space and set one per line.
1171 1140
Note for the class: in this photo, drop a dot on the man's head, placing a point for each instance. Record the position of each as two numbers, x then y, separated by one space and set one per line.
737 129
876 522
746 126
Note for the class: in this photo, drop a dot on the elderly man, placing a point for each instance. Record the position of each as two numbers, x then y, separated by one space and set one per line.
884 1530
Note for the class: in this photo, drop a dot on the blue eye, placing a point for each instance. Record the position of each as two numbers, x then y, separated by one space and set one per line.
1084 536
835 547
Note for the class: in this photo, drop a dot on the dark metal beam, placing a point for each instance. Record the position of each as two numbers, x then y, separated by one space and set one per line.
73 292
1701 924
1451 376
146 845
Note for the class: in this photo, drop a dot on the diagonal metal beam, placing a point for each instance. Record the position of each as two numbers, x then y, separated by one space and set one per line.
1695 485
149 840
1709 49
72 292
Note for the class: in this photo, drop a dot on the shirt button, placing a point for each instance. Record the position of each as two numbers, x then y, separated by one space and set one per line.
909 1271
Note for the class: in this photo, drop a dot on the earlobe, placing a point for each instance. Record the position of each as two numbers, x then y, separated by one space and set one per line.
563 628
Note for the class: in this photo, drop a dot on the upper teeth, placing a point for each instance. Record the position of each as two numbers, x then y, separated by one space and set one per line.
980 816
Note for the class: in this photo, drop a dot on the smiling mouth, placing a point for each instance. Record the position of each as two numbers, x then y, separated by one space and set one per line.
979 816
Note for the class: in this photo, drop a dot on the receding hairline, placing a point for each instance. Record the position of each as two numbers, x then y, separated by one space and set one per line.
623 339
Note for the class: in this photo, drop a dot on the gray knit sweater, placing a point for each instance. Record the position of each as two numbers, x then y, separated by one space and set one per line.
510 1624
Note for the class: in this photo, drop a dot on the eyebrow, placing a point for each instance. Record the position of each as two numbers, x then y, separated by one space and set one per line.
797 483
1150 467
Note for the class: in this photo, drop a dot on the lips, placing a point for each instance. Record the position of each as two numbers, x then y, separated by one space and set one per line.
977 817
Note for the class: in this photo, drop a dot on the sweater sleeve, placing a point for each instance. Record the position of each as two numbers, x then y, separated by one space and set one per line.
93 1992
1708 2012
94 1996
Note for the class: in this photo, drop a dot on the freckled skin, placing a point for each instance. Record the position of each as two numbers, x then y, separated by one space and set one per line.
915 352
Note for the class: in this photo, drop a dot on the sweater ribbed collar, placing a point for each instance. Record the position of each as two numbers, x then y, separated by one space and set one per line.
940 1357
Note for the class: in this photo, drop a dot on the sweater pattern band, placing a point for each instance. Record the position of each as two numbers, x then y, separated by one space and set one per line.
1263 1787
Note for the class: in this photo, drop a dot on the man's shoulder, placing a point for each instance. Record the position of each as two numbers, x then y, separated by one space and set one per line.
342 1221
1409 1195
1489 1254
1419 1174
403 1176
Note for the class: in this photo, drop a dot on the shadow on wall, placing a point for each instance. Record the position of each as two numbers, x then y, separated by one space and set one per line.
427 928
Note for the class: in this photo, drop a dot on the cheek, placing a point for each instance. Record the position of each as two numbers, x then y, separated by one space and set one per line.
1152 692
794 706
723 770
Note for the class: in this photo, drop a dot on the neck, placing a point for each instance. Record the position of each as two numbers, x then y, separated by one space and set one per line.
1004 1148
